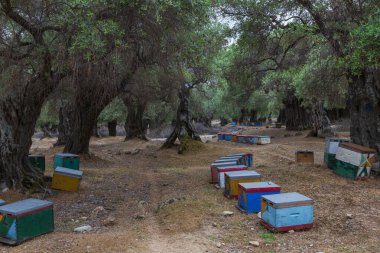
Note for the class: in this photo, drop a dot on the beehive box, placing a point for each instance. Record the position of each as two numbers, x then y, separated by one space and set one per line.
66 160
221 136
247 158
240 138
223 169
66 179
286 211
331 146
354 161
25 219
305 156
252 139
2 202
263 139
38 161
214 171
228 136
232 180
250 195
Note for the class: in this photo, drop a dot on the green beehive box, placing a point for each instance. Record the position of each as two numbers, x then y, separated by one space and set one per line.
38 161
66 160
345 170
24 220
330 160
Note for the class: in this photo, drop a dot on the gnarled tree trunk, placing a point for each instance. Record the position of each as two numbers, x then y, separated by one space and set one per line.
297 116
320 121
183 124
364 105
135 126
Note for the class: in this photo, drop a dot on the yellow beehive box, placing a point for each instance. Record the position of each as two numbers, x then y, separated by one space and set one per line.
305 156
66 179
232 180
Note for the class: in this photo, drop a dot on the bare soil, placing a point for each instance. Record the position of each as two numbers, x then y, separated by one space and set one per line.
162 201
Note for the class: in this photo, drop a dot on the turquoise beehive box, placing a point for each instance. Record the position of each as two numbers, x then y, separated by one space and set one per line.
287 211
66 160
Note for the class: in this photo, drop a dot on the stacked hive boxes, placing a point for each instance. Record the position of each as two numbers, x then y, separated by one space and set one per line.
354 161
277 212
331 147
67 175
23 220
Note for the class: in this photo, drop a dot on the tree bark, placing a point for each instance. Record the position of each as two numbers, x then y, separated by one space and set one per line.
320 121
253 117
135 126
364 105
112 128
297 116
183 124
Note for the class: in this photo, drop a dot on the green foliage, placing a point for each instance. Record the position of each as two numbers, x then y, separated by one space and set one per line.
116 110
365 45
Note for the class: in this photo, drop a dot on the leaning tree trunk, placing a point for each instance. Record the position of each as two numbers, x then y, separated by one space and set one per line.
364 105
112 127
297 116
320 121
134 125
183 122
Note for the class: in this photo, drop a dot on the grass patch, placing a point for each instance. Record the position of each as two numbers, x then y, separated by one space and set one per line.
268 237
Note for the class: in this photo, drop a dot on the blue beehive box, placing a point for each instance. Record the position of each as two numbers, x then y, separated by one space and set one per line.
247 158
66 160
2 202
287 211
250 195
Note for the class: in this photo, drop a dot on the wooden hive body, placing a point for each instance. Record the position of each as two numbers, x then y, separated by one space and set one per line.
232 180
262 140
250 195
287 211
305 156
66 179
38 161
26 219
66 160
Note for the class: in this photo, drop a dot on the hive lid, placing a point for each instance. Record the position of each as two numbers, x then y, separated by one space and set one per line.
68 172
304 152
263 136
243 174
338 139
65 155
288 199
240 154
356 147
259 187
36 155
231 157
231 168
24 206
228 159
224 164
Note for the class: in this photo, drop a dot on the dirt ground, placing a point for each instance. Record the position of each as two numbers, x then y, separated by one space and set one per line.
162 201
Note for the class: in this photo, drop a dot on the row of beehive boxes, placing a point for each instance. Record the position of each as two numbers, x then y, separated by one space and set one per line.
347 159
278 211
67 175
250 139
18 220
